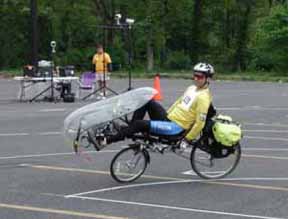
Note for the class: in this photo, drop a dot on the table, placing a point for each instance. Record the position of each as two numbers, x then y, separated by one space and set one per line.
29 82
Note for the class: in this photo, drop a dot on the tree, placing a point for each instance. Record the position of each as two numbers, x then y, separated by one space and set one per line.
244 9
270 44
14 34
233 35
195 35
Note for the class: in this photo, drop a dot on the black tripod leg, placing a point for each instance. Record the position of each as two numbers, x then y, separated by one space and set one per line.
44 91
114 92
105 87
99 89
94 92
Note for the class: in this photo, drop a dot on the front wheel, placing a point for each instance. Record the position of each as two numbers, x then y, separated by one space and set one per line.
128 164
209 167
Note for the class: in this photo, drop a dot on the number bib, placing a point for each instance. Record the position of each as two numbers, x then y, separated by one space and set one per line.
188 98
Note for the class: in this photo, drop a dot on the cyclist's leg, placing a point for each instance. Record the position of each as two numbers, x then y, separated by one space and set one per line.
140 113
154 109
135 127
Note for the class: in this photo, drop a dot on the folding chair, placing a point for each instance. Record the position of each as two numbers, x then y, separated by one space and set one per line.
87 82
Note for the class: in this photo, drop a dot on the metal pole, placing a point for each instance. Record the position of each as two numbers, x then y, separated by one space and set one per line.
51 99
34 33
129 56
104 63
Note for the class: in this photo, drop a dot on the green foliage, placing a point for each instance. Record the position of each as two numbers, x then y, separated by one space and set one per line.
270 44
178 60
81 58
233 35
13 33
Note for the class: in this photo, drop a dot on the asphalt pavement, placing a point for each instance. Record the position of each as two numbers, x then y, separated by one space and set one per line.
42 178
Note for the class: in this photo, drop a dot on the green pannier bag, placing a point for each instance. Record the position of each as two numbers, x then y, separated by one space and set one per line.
225 131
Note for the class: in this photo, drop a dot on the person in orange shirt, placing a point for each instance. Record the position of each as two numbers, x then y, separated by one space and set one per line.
102 63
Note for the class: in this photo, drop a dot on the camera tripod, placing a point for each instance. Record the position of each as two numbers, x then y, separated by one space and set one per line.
127 26
51 86
103 87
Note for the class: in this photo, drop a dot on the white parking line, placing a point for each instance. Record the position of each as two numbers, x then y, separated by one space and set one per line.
52 110
27 134
32 111
266 124
130 186
191 173
13 134
263 131
265 138
265 157
50 133
264 149
205 211
253 108
229 108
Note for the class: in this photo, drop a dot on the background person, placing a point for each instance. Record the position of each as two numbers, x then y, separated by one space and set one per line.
102 65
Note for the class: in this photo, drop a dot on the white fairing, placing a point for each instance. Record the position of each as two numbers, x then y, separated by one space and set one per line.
106 110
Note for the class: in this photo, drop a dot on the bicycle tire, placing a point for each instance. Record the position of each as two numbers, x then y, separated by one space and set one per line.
126 177
197 167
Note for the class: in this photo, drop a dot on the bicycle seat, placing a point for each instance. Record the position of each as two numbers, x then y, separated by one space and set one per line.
171 138
157 138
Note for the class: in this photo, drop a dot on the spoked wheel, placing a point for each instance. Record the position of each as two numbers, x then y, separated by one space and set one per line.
128 165
209 167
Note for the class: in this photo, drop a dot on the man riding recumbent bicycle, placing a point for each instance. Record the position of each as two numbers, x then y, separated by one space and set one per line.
190 128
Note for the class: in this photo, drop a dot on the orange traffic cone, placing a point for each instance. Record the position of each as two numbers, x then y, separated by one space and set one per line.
156 86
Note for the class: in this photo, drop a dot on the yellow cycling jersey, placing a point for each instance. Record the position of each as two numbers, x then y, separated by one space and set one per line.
190 110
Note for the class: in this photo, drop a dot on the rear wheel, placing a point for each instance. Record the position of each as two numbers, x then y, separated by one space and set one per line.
209 167
128 165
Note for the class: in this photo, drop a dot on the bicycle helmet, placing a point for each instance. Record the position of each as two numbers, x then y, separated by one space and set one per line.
204 68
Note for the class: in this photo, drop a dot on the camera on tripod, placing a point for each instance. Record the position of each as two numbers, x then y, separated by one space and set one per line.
45 68
53 45
118 18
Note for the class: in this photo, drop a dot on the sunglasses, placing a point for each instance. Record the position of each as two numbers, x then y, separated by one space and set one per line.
199 77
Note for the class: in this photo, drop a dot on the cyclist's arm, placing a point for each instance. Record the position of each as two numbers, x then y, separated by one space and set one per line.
202 106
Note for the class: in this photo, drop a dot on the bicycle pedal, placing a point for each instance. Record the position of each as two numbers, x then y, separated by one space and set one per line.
160 148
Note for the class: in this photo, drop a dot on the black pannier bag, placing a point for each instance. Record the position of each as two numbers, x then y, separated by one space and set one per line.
210 141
